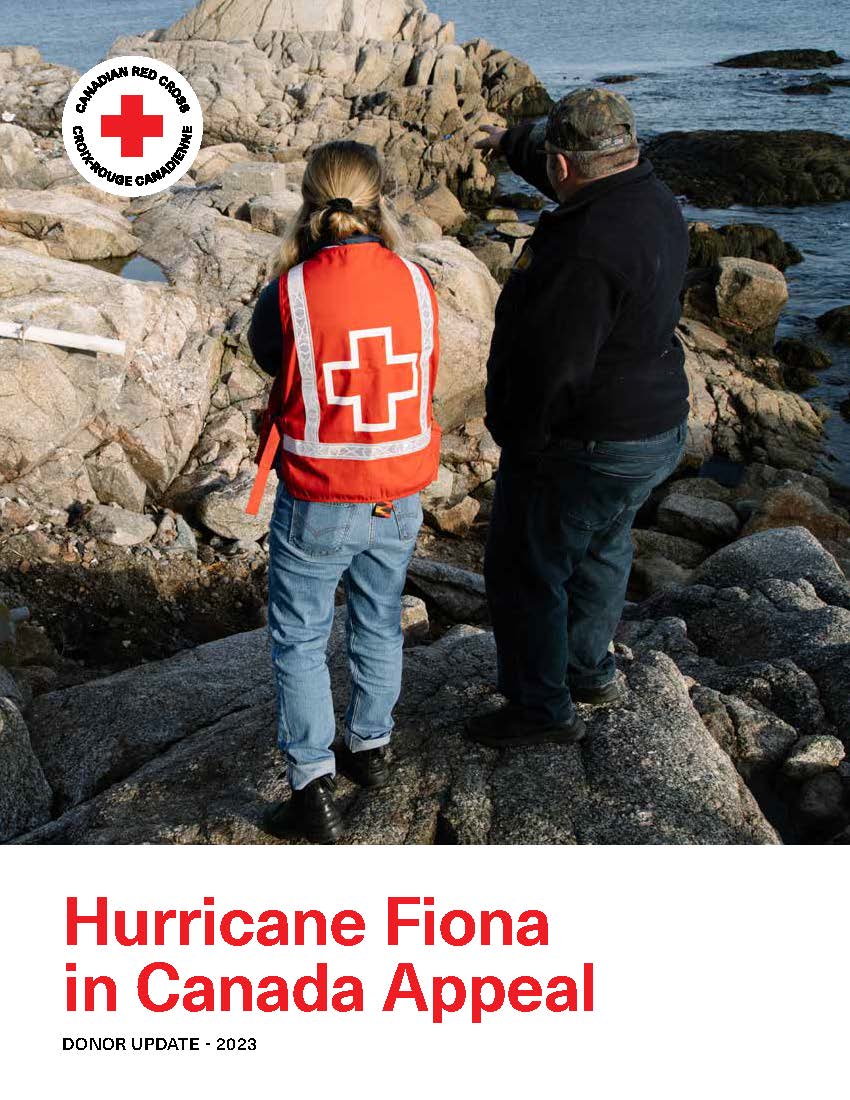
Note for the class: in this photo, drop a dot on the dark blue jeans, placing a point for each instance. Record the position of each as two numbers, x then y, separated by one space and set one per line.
558 560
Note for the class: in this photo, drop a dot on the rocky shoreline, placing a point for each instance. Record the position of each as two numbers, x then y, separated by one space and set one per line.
136 703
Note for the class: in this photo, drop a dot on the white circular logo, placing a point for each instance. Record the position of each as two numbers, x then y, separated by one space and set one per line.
132 126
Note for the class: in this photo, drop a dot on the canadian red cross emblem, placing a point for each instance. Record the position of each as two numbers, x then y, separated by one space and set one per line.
132 126
383 381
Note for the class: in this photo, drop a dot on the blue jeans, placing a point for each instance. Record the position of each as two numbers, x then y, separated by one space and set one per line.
312 546
558 559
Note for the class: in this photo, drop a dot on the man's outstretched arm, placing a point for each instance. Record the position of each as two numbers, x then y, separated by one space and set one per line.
522 148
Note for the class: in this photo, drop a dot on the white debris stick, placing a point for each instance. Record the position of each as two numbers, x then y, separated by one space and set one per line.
15 330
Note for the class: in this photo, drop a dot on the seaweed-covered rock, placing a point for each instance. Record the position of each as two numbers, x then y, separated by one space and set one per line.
801 355
783 59
753 242
754 167
835 324
815 87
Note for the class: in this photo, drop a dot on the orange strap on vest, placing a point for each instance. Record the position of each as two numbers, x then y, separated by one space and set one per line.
265 465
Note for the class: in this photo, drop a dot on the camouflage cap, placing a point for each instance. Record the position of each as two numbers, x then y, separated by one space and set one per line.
591 120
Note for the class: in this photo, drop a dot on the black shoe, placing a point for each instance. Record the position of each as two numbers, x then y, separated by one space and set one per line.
510 726
612 692
368 767
311 813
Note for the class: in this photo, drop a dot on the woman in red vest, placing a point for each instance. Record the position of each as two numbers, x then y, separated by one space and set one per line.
348 330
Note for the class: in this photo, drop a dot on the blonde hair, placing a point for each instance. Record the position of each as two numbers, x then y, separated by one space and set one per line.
342 195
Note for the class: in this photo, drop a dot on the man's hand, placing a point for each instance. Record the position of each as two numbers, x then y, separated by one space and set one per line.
493 139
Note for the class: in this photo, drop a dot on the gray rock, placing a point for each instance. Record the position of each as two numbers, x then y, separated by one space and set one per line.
707 521
414 620
441 206
25 796
212 160
419 227
65 225
500 214
153 400
19 163
650 772
515 230
686 552
274 214
119 527
457 519
822 797
749 294
812 755
654 574
223 509
789 553
10 689
736 415
755 740
669 635
96 733
654 769
114 479
458 593
780 687
258 178
759 478
735 627
185 541
496 255
703 487
440 490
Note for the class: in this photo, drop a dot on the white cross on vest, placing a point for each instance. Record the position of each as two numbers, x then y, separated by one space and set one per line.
382 395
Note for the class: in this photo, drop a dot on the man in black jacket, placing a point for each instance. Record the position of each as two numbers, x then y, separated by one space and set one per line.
588 398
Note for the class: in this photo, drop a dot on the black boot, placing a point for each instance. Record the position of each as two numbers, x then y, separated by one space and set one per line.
513 727
607 694
310 813
368 767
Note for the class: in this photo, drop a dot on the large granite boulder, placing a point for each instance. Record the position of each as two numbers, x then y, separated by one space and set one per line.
20 165
281 76
25 797
204 767
62 406
65 226
755 167
32 90
741 299
735 414
221 261
467 295
789 553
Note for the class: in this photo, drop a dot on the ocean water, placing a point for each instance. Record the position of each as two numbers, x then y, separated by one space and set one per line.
670 45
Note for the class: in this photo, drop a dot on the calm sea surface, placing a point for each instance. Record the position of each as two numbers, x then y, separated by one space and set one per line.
669 44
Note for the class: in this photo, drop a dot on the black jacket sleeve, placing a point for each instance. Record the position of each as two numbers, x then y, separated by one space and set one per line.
522 148
265 334
545 347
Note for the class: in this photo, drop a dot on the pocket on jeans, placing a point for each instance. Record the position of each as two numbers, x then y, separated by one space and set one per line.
320 528
408 516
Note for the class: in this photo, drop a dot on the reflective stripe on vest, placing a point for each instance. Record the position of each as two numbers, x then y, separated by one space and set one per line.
310 445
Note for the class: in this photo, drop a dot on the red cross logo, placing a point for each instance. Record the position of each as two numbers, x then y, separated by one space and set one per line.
385 380
132 126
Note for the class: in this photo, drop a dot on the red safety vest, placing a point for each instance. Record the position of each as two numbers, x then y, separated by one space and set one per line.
351 405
